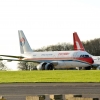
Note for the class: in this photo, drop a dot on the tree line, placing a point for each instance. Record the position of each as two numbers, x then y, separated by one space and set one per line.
92 47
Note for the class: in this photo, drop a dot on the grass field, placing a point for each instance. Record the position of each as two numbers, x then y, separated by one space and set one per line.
50 76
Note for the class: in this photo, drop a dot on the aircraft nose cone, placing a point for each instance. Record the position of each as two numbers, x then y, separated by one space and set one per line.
90 60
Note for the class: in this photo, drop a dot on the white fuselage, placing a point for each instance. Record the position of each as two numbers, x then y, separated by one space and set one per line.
64 59
96 59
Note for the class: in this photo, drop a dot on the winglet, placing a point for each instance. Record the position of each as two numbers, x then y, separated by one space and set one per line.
77 43
24 45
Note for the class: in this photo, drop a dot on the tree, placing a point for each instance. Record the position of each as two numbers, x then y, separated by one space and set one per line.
22 65
3 66
93 46
57 47
27 65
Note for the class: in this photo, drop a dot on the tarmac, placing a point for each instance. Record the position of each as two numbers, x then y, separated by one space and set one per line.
19 91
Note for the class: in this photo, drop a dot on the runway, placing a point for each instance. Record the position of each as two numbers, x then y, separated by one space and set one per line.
19 91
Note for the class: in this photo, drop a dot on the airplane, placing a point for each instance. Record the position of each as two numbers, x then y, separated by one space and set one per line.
79 46
50 60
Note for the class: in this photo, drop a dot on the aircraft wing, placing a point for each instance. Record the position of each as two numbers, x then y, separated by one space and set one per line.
12 56
9 60
35 61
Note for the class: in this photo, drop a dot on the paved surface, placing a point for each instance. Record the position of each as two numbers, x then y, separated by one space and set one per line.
19 91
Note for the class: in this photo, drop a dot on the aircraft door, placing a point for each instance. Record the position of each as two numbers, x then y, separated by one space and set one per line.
75 54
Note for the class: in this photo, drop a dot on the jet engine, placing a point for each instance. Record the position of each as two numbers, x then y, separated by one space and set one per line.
45 66
49 66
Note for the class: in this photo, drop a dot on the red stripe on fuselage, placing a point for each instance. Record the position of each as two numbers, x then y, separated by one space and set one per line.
88 60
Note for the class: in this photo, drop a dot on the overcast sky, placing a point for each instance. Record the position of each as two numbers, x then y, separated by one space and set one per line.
47 22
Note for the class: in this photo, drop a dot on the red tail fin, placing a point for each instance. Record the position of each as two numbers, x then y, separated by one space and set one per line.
77 43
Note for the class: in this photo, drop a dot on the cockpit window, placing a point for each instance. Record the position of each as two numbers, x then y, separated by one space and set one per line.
85 56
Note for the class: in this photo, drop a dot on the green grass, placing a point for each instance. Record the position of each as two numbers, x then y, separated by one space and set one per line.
50 76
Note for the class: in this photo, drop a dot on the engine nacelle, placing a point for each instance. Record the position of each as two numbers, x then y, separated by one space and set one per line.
41 66
45 66
49 66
